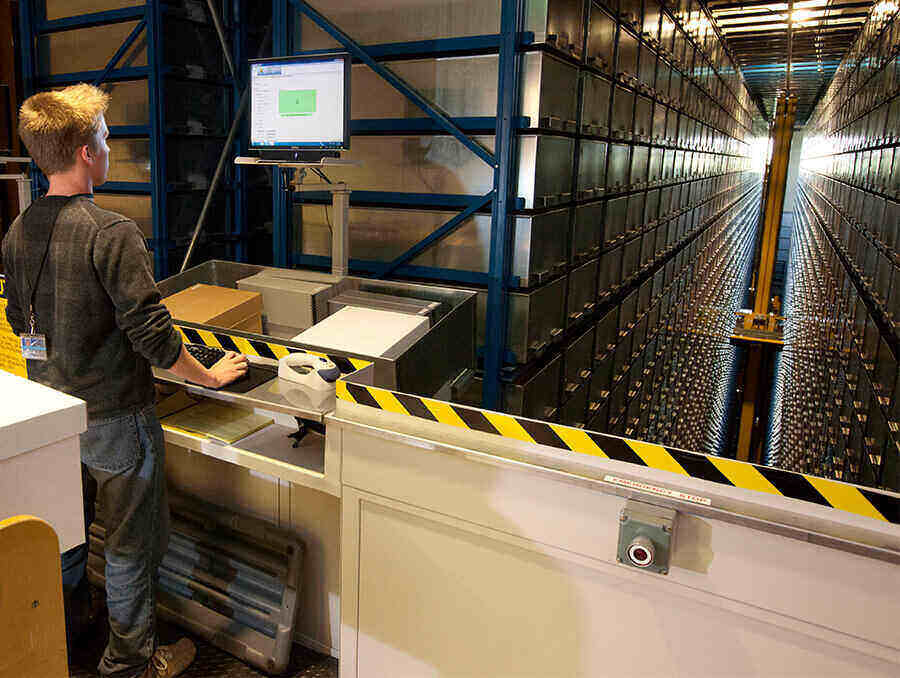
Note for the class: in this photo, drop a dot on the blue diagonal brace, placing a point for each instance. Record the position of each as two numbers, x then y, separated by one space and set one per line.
395 81
123 48
436 235
103 18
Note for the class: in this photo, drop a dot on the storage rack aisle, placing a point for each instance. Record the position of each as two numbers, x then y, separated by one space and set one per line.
689 398
841 345
652 151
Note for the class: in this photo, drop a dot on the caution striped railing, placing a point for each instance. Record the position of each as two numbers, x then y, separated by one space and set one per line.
263 348
845 497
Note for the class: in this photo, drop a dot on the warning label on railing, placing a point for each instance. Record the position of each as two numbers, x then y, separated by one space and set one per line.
655 489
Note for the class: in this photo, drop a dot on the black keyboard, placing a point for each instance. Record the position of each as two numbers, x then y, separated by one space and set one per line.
205 355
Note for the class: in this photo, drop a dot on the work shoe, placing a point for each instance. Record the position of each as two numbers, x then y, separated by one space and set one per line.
171 660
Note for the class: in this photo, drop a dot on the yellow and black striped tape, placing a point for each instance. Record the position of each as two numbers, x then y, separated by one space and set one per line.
262 349
858 500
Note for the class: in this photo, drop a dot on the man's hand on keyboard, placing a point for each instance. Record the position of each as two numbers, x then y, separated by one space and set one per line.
191 362
230 368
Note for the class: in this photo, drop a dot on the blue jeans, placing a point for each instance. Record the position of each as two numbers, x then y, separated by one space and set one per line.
125 457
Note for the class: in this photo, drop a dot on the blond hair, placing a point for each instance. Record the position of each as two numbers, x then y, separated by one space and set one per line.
54 125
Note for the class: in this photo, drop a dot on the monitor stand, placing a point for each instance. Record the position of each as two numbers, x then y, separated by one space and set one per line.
340 198
297 156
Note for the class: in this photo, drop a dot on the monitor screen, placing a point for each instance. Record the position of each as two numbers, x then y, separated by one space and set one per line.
300 102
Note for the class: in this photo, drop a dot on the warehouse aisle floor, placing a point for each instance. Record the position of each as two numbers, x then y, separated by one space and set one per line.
210 663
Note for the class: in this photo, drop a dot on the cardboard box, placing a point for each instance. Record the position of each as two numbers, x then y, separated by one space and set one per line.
218 306
286 302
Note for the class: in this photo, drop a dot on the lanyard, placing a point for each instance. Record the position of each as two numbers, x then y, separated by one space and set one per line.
37 278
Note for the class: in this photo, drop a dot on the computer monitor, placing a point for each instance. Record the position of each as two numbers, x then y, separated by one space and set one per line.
300 106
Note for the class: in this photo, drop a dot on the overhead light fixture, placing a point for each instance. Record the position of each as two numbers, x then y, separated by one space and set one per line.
884 8
799 16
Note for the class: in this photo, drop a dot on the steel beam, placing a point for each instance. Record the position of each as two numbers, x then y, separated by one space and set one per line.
392 126
437 201
715 7
239 195
810 39
28 55
159 195
785 115
765 56
115 75
223 42
754 33
756 376
124 47
512 17
367 266
769 69
811 24
743 21
790 45
439 47
282 208
436 236
142 187
93 19
813 31
848 27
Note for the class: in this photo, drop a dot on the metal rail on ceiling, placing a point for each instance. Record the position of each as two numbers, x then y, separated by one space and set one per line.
775 33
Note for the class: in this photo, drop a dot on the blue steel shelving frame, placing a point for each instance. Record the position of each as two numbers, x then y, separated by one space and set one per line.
512 15
282 206
158 197
501 198
34 25
149 17
239 206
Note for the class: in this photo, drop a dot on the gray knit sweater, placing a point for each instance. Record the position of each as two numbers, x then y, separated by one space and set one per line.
96 302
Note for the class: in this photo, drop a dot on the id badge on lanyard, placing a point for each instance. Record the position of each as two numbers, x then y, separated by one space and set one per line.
34 346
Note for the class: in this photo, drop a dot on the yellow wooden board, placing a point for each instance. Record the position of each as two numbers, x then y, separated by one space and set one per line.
32 623
11 359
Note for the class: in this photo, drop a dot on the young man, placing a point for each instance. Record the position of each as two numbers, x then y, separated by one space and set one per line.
80 284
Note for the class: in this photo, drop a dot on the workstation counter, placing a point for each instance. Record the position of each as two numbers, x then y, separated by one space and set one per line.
289 481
